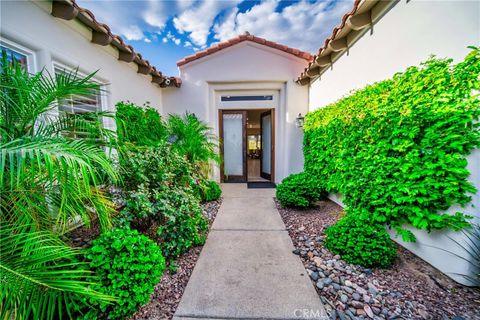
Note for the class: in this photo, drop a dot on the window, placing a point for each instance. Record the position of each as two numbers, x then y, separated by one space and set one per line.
80 104
246 98
13 55
18 53
76 105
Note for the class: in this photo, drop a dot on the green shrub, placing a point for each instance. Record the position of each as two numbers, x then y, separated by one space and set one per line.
159 189
148 174
142 126
299 190
398 148
183 224
361 242
129 266
211 191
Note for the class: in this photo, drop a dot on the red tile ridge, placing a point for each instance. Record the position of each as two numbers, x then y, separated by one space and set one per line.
245 37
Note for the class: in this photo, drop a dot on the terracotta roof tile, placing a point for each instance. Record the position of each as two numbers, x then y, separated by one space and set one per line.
357 5
86 17
245 37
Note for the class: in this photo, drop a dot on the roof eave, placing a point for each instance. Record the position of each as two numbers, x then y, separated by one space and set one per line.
101 35
362 17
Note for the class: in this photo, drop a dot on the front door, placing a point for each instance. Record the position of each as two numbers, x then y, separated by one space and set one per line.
267 132
233 145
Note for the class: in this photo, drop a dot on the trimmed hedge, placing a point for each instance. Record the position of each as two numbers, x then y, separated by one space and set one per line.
129 265
397 149
299 190
360 242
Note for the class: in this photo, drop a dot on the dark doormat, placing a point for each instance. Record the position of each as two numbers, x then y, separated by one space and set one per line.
260 185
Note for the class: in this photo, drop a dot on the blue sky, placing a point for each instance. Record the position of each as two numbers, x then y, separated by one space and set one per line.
166 31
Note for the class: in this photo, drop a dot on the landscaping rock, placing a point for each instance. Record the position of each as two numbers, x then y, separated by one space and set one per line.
356 304
368 311
405 291
313 275
320 284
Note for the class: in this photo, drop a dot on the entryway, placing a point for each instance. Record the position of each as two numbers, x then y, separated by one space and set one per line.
247 145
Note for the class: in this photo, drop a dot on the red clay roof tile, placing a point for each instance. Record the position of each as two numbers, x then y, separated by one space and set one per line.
86 17
245 37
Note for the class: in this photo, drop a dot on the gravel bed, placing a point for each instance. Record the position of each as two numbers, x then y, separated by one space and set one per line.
410 289
169 290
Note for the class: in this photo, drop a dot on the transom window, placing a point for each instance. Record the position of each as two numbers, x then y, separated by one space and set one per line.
246 98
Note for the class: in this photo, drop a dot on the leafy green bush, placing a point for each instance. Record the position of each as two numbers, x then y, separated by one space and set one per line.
140 125
211 191
359 241
148 173
129 266
299 190
158 183
396 150
183 224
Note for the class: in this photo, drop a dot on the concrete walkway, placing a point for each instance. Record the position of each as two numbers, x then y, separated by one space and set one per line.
247 269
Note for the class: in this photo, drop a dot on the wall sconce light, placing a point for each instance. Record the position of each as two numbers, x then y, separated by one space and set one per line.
299 121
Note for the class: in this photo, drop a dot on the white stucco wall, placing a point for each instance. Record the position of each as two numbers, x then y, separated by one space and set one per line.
407 35
247 68
53 40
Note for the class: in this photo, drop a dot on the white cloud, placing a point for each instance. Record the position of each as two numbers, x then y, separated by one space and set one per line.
303 25
147 40
164 40
187 44
132 32
157 13
177 41
197 21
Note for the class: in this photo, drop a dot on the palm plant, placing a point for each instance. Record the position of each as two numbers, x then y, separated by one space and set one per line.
49 179
40 276
193 139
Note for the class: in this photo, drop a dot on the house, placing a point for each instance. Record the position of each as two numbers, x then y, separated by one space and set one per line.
252 91
375 40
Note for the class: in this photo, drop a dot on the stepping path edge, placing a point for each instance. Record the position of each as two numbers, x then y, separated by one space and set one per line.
246 269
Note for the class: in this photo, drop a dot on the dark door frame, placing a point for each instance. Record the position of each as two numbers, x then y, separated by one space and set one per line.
244 178
267 176
223 177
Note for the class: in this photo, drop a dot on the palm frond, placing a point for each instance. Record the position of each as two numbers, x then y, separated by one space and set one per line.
63 171
39 275
193 138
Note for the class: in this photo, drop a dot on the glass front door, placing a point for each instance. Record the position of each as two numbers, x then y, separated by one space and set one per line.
232 126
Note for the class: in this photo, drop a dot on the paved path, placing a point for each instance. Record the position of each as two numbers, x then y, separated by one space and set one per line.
247 269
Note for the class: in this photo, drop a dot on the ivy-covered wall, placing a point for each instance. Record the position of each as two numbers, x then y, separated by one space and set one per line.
396 150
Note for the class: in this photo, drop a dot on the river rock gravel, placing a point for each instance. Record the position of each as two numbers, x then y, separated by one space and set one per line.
410 289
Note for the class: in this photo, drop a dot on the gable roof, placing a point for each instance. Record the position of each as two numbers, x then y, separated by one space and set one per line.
352 26
241 38
102 35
